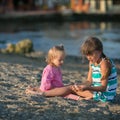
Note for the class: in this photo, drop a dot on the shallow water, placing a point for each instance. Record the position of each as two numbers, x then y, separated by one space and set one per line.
71 35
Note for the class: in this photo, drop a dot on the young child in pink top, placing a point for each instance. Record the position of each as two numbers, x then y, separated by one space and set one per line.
51 82
52 78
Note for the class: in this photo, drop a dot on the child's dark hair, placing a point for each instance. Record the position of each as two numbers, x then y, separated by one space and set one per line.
53 52
90 45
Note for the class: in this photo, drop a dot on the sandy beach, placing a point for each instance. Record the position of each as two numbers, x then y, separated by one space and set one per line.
17 72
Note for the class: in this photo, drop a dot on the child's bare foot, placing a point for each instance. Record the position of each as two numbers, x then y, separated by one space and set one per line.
87 98
30 87
29 91
81 98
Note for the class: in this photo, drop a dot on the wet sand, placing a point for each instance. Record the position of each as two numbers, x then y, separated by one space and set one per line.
17 72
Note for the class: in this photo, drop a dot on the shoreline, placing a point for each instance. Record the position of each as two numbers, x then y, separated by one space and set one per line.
17 72
36 56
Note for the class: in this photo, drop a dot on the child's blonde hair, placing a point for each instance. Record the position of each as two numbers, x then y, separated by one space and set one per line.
53 52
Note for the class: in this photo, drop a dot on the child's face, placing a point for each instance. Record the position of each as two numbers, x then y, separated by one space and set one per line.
94 57
58 60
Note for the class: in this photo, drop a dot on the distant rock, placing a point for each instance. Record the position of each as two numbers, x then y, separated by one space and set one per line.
22 47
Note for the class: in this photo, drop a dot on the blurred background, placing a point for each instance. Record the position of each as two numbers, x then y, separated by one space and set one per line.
75 21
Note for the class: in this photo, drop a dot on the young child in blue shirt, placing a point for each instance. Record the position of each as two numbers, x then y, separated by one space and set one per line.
101 81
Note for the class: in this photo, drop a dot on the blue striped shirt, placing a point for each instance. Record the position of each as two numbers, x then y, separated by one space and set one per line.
110 92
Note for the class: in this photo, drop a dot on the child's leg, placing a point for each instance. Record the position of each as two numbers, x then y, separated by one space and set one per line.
62 91
85 94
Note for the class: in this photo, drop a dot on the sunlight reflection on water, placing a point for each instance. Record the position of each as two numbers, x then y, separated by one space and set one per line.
71 35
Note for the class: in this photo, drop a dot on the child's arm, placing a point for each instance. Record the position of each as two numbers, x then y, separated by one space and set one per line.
88 82
105 71
89 76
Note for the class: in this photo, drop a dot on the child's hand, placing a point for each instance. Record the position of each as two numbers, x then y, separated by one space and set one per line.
75 88
82 87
